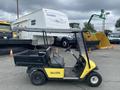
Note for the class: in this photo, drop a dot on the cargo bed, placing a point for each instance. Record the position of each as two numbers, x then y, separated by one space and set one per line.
31 58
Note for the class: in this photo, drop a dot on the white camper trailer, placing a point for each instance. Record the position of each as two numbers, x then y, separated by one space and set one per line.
42 18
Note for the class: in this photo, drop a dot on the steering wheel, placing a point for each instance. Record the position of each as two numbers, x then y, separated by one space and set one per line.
68 49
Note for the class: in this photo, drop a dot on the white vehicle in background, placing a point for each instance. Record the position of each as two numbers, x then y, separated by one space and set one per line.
114 38
46 19
67 40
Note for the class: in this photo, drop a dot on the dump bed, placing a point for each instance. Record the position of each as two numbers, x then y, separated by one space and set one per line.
31 58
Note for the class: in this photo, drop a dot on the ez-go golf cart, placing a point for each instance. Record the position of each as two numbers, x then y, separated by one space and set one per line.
41 66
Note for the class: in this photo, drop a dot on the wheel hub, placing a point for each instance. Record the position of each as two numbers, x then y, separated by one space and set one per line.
94 79
64 43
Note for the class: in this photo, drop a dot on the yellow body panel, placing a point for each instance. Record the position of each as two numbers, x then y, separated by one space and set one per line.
55 72
15 34
104 41
87 69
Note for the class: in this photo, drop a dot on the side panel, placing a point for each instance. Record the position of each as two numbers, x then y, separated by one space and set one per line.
26 20
55 72
55 19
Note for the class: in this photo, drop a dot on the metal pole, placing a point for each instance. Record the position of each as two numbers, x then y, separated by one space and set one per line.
17 9
91 18
103 28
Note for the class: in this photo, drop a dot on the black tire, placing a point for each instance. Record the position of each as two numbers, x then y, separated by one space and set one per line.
38 78
28 70
65 43
55 40
94 76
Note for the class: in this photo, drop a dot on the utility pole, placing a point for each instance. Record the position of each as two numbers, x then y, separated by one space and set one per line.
104 14
103 26
17 9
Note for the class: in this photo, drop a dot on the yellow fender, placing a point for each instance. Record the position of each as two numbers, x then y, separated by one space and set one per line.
87 69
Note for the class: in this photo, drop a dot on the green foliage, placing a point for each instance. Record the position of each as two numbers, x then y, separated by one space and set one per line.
89 27
117 24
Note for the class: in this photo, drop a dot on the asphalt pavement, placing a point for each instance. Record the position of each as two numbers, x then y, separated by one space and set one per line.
108 61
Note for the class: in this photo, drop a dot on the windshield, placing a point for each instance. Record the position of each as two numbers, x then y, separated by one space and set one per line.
81 43
2 26
82 46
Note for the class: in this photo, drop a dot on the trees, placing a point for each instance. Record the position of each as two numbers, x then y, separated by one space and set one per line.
89 27
117 24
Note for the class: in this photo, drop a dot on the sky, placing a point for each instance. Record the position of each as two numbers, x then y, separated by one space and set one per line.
77 10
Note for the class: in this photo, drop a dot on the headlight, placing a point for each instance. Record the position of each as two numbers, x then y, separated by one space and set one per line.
71 37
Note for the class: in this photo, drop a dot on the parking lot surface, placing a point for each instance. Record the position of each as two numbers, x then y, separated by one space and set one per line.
108 61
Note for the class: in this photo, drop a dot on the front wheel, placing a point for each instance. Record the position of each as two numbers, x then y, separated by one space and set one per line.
94 79
65 43
38 78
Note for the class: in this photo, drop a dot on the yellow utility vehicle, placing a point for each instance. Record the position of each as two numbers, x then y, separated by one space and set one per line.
42 66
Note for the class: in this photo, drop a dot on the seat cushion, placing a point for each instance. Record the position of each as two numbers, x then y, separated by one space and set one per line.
57 61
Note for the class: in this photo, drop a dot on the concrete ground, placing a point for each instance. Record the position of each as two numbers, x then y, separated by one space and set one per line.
108 61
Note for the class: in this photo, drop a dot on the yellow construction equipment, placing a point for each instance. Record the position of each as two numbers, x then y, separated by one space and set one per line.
104 41
89 36
5 30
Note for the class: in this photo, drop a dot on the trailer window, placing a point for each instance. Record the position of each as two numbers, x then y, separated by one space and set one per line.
33 22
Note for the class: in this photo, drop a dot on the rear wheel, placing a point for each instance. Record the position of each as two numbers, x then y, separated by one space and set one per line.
38 78
94 79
